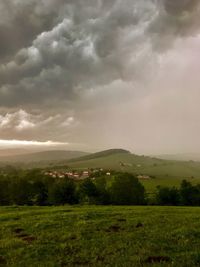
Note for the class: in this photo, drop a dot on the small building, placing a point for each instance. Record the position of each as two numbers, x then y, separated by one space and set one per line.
85 174
143 177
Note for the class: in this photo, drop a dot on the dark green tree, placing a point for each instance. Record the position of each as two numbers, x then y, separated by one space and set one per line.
4 192
167 196
88 192
63 192
103 196
190 195
21 192
126 189
39 193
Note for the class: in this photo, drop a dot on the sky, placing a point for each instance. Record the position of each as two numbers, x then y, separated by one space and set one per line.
96 74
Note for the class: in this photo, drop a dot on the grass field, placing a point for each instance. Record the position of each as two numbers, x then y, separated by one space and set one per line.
151 185
99 236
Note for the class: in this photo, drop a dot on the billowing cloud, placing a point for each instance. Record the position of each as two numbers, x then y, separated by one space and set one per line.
23 125
88 47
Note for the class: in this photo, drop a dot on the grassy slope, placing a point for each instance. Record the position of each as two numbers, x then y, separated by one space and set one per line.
99 236
166 172
101 154
150 166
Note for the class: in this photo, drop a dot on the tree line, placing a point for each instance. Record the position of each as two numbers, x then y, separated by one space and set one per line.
34 188
186 195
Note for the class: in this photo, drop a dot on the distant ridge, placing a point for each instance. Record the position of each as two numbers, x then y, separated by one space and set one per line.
181 157
101 154
44 156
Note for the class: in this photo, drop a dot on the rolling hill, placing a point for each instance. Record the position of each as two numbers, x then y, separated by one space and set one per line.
123 160
162 172
101 154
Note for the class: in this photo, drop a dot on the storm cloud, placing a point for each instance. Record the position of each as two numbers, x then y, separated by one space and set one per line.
66 60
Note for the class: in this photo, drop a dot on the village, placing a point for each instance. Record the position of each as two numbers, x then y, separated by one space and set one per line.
83 174
78 175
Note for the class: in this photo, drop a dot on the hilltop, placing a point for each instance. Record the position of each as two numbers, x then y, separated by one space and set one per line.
101 154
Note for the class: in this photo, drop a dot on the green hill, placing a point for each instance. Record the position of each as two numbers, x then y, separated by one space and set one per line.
101 154
161 172
125 161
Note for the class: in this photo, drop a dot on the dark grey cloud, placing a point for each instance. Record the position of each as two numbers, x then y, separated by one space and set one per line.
176 18
22 21
83 49
179 6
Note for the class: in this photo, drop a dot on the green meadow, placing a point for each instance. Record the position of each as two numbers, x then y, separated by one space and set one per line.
99 236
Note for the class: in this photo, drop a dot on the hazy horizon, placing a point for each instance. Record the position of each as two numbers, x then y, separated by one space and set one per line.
99 74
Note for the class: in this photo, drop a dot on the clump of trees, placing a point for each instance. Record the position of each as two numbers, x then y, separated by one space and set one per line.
186 195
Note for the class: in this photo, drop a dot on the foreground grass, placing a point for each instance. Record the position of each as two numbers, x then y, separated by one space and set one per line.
99 236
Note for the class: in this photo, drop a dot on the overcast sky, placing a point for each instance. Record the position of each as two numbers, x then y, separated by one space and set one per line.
98 74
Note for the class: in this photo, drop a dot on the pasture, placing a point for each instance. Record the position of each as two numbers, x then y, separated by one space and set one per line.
99 236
